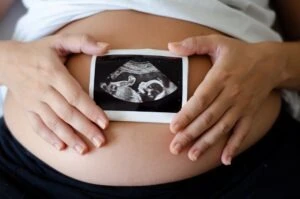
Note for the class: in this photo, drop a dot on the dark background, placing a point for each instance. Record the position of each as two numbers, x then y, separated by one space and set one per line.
170 66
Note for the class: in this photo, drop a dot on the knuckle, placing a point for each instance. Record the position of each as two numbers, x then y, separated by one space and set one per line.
74 97
242 136
45 68
45 93
235 91
53 124
202 100
68 113
59 40
225 127
187 137
207 118
187 117
193 41
92 112
223 75
207 142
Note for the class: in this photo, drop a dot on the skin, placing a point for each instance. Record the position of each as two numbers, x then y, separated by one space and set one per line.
55 103
39 80
135 153
214 110
234 89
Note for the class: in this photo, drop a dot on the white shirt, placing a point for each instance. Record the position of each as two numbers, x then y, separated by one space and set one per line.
249 20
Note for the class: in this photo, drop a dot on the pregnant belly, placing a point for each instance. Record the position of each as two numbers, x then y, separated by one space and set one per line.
135 153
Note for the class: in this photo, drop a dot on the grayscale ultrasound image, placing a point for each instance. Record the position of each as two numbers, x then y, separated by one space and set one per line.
138 82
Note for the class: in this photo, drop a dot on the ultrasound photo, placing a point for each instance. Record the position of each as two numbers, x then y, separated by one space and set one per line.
139 85
138 82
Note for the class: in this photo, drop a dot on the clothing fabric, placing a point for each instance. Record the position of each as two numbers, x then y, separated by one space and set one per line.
269 169
249 20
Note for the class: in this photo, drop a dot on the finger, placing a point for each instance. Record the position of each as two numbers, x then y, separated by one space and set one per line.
195 45
240 132
61 129
42 130
213 135
179 141
203 122
70 89
74 118
210 116
73 43
205 93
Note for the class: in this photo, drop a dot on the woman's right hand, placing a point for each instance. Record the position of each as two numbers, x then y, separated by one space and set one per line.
56 105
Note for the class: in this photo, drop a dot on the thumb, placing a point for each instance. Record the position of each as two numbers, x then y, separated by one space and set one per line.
200 45
67 44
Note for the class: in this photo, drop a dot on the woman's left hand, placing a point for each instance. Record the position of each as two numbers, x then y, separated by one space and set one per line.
241 78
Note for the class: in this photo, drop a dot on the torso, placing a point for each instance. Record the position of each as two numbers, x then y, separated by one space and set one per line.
136 153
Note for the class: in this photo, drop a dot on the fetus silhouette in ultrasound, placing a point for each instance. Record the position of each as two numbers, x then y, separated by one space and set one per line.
138 82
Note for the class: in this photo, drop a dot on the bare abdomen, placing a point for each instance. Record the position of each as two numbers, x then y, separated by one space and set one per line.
136 153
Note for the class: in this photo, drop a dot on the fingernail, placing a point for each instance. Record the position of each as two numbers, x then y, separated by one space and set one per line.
58 146
228 161
102 123
79 148
97 141
176 148
102 44
195 154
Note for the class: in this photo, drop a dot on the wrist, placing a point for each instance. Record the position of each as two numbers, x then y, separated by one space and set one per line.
281 63
8 59
274 58
291 70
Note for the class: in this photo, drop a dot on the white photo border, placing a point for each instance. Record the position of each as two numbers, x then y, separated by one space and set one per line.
141 116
